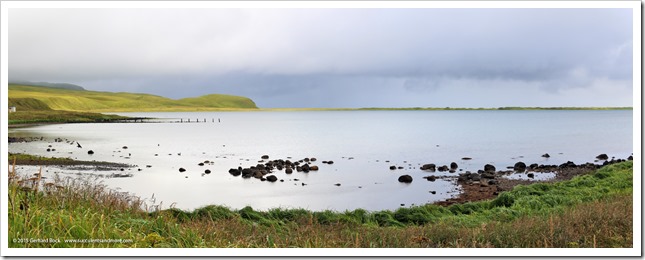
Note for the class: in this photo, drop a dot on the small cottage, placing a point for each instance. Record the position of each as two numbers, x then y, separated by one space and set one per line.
12 109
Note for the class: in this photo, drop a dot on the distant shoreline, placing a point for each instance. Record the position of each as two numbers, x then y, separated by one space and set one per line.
61 117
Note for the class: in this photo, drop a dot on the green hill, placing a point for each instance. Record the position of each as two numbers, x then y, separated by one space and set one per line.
40 98
47 84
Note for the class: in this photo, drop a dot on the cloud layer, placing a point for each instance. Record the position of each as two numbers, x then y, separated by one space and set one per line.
335 57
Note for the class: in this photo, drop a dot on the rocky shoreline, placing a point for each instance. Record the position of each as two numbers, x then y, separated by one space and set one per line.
483 184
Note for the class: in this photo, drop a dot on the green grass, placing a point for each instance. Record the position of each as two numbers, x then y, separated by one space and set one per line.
95 101
59 116
592 210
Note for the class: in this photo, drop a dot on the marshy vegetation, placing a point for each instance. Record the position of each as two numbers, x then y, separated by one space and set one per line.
593 210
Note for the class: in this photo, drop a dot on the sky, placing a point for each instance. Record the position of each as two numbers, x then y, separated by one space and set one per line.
350 58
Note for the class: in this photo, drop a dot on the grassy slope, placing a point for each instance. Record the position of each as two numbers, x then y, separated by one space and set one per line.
588 211
94 101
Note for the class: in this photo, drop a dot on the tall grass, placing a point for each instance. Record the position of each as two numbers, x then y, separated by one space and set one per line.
594 210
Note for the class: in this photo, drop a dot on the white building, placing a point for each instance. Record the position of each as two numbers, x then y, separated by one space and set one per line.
12 109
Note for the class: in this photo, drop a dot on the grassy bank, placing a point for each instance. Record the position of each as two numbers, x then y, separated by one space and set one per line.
593 210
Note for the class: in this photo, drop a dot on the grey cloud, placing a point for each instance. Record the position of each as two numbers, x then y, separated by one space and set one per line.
325 57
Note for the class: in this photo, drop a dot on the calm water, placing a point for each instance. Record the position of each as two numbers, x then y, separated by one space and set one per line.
359 143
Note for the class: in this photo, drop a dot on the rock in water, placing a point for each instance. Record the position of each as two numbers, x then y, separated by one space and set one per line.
182 170
405 178
602 157
453 165
272 178
519 166
489 168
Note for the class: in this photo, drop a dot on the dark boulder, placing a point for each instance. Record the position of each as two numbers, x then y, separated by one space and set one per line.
466 158
312 159
264 157
234 172
519 166
90 152
489 168
602 157
392 167
288 171
207 171
337 184
533 166
443 168
431 178
272 178
530 175
453 165
429 167
125 147
313 168
405 178
630 158
330 162
182 170
200 164
546 155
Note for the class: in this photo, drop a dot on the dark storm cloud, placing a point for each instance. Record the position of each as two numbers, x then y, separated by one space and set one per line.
333 57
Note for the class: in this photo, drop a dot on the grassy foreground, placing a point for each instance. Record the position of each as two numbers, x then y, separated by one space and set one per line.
593 210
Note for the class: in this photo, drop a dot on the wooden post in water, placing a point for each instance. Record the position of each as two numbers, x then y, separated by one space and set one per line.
182 120
188 120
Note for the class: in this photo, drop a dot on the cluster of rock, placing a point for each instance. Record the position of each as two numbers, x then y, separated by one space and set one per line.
444 168
488 175
264 169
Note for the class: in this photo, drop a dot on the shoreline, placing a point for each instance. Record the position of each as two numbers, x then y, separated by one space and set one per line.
487 185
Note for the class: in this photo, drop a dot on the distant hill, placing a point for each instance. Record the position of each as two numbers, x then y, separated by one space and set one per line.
47 84
27 97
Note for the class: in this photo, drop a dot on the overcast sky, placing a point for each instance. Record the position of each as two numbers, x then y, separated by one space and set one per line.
335 57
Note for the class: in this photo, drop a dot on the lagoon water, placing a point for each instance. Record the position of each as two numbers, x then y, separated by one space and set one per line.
359 142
